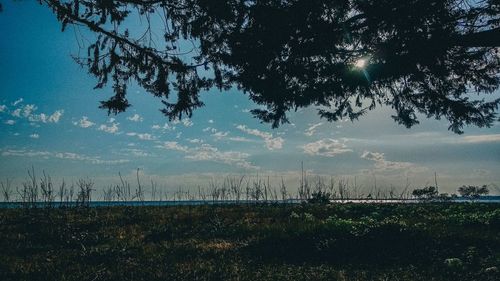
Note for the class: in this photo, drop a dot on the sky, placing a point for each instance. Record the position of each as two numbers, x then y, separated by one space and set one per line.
49 120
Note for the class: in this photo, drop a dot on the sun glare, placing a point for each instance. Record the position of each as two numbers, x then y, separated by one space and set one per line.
361 63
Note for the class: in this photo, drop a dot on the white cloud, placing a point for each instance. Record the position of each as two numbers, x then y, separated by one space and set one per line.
325 147
68 155
274 143
34 136
54 118
481 138
166 127
220 135
25 153
173 145
206 152
16 113
38 118
92 160
84 122
195 140
113 129
20 100
145 137
61 155
374 156
3 107
239 139
135 118
135 152
141 136
44 118
10 122
254 132
210 121
29 109
187 122
210 129
271 142
381 164
433 138
312 129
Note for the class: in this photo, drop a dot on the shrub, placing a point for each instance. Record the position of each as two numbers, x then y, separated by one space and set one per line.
453 263
426 193
473 192
320 197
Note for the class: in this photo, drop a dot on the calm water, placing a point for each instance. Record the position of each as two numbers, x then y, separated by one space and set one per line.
484 199
152 203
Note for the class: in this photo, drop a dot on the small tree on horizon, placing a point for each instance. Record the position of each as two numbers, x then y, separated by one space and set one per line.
426 193
473 192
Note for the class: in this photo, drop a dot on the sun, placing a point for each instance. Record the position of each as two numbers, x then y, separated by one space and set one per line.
360 63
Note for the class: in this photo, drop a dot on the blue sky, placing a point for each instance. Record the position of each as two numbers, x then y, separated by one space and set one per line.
49 118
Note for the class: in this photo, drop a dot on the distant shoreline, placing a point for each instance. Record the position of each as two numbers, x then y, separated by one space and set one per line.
58 204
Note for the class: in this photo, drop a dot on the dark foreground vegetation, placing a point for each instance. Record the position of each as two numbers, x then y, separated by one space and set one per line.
431 241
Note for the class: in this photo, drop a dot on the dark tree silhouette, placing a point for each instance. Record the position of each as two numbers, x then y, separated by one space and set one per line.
473 192
426 193
434 57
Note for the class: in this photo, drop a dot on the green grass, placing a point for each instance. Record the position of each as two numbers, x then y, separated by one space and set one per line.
283 242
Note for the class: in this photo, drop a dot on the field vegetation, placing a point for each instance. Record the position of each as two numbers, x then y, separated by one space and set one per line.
268 232
309 241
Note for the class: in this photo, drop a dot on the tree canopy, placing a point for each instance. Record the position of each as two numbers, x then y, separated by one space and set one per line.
438 58
426 193
473 192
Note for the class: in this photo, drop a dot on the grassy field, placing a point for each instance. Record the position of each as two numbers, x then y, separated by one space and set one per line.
258 242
